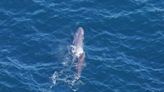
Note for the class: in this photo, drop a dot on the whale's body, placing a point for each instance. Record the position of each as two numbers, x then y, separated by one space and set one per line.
77 50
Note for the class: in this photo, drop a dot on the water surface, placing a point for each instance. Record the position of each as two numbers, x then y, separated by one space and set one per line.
123 44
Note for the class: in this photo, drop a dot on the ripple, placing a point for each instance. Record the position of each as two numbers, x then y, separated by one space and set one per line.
123 44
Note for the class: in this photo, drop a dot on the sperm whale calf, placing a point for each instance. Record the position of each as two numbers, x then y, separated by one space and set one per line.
78 51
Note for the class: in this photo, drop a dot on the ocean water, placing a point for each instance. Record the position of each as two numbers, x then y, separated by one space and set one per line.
124 45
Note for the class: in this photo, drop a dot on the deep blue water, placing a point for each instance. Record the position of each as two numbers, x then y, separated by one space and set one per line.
124 44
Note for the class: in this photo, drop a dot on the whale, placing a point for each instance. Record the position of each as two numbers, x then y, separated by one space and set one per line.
78 51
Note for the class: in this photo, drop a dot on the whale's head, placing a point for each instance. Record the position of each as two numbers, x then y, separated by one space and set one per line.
80 31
